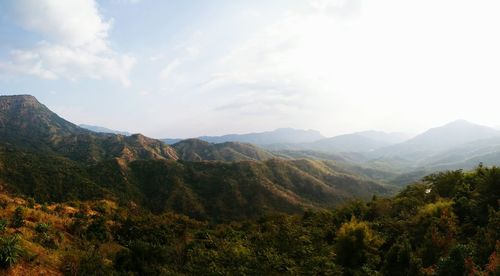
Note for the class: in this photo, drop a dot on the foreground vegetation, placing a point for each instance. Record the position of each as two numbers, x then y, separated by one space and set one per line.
449 224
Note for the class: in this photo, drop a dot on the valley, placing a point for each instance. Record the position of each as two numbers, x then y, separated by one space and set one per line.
70 187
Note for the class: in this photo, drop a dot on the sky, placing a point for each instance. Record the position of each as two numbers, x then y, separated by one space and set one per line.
190 68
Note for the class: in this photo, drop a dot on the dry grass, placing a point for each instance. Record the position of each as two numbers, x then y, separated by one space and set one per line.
38 260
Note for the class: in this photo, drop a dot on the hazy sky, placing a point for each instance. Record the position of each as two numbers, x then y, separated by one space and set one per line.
189 68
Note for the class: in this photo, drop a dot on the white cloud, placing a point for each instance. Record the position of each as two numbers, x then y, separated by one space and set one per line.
350 65
75 44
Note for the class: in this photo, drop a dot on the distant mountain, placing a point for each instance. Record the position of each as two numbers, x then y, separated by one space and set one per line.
27 124
439 139
171 141
278 136
199 150
100 129
354 142
347 143
466 156
386 137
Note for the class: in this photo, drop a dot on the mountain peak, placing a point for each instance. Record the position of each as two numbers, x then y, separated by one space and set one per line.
459 122
462 125
19 97
10 101
447 136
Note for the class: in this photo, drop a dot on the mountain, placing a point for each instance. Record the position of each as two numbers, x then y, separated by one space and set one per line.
48 158
248 189
171 141
466 156
347 143
199 150
100 129
27 124
354 142
385 137
439 139
446 223
452 134
278 136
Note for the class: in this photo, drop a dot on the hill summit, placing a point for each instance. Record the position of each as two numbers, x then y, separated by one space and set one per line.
25 123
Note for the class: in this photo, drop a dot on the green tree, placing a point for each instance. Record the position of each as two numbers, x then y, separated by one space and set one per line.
357 245
398 259
446 183
455 262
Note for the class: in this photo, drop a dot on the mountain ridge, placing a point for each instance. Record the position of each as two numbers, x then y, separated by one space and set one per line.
46 157
28 124
199 150
279 135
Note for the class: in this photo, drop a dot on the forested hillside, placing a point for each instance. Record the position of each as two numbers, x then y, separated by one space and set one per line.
75 202
53 160
199 150
449 224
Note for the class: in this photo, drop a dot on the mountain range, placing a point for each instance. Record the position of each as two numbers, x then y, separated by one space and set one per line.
199 150
459 144
46 157
277 136
446 143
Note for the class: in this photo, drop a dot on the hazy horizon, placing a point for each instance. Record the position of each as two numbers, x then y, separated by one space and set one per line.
170 69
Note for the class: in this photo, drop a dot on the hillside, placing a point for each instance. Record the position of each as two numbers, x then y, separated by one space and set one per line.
347 143
466 155
50 159
358 142
205 190
439 139
199 150
28 125
447 225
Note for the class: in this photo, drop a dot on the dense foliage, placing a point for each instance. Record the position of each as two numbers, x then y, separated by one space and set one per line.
448 224
103 204
220 191
199 150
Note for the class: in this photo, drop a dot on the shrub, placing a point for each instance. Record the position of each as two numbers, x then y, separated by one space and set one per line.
3 225
18 218
42 228
90 263
30 203
10 251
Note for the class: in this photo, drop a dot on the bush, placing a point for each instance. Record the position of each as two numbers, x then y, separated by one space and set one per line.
3 225
42 228
10 251
90 263
98 230
30 203
18 218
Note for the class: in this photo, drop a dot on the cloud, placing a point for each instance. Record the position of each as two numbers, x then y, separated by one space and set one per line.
75 43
